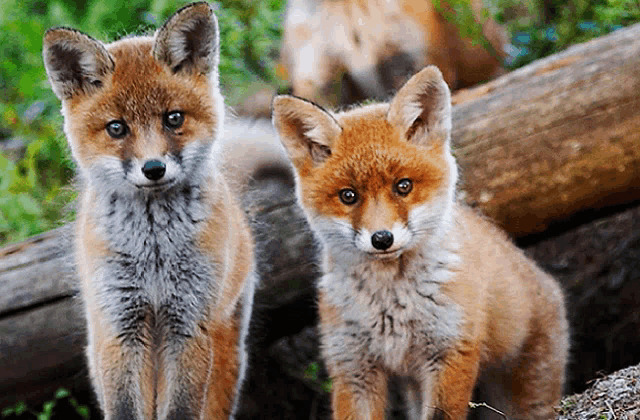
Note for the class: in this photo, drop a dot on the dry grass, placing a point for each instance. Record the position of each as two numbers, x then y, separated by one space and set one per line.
614 397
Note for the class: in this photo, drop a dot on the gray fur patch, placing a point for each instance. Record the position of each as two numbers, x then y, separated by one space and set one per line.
156 269
397 317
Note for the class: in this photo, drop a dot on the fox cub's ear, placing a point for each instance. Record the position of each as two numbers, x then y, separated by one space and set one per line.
189 40
422 108
306 130
75 62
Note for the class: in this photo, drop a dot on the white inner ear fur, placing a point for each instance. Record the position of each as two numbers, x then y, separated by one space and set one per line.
321 128
91 63
93 60
171 44
177 42
426 96
177 45
317 126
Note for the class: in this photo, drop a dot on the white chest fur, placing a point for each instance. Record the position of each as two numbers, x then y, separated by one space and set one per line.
396 314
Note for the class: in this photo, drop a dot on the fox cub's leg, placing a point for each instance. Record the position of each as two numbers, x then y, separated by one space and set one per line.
359 384
122 373
454 385
413 399
359 394
538 380
203 373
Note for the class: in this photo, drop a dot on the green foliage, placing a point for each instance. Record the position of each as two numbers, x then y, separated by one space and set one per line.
21 409
33 189
461 14
546 27
250 33
313 373
542 27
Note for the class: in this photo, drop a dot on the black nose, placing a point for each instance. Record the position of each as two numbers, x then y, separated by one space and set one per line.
154 169
382 239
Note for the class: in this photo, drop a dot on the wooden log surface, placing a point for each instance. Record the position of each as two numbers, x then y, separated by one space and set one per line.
41 325
555 137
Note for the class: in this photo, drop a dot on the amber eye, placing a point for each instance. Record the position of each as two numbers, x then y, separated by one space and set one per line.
174 119
348 196
117 129
404 186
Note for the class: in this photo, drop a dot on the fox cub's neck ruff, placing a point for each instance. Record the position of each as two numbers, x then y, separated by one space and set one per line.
385 198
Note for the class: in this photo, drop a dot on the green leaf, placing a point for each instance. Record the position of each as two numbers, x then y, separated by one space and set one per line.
21 408
47 408
62 393
8 411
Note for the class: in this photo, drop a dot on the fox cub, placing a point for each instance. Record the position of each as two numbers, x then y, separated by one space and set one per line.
163 250
415 284
380 43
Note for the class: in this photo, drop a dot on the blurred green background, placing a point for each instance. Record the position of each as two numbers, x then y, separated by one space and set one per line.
35 167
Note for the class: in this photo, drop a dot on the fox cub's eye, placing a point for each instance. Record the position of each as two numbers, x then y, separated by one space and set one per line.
348 196
117 129
174 119
404 186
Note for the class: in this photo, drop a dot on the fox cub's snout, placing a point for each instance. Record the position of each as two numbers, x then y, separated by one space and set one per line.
163 250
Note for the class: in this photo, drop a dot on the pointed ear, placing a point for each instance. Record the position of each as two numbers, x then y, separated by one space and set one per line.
189 40
306 130
422 108
75 62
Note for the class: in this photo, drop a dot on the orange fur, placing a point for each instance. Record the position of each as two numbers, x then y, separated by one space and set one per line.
448 302
379 44
225 369
456 381
350 406
359 164
152 88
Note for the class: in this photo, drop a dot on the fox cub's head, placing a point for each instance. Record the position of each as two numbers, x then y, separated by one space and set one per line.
142 111
377 180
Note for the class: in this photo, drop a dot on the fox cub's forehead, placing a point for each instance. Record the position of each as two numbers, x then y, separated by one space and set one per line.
141 87
374 151
372 155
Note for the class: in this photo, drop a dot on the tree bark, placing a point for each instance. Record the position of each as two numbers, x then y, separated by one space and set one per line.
555 137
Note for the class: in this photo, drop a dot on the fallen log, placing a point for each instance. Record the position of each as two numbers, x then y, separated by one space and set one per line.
598 263
41 323
555 137
42 328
